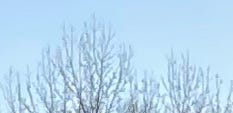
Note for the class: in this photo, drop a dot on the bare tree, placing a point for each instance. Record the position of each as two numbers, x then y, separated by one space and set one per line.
144 97
88 73
187 87
94 73
188 90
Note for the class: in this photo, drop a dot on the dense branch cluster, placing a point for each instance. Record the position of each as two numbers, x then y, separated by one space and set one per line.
91 74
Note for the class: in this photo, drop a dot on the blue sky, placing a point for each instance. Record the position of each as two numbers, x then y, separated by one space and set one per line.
203 27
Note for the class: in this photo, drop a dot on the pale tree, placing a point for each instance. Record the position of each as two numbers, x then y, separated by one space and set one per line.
12 91
189 89
87 74
94 72
144 95
91 73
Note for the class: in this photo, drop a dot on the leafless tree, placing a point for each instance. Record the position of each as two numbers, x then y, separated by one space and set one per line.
88 73
85 75
190 90
144 96
187 87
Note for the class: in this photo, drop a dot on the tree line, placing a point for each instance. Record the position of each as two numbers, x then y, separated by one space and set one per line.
88 73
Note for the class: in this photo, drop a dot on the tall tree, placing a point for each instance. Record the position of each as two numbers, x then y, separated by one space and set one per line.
88 73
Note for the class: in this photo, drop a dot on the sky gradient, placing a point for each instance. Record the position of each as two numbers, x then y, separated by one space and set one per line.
202 27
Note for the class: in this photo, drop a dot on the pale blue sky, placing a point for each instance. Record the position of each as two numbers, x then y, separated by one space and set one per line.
204 27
